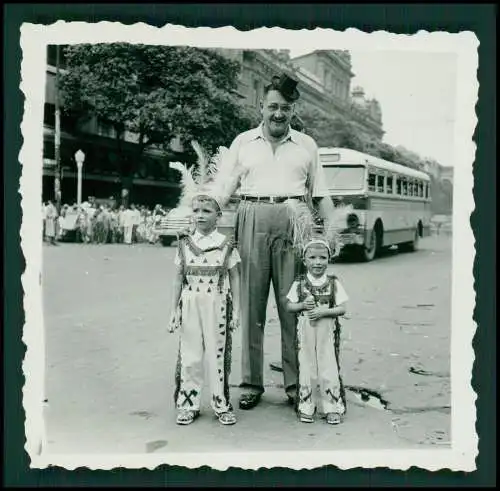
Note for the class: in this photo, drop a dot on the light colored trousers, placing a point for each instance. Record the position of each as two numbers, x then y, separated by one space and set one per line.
204 337
127 234
318 365
263 237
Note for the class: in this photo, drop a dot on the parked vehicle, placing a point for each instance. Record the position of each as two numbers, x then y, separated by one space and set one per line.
179 219
171 224
391 202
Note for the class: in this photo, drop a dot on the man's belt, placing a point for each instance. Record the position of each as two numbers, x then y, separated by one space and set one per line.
269 199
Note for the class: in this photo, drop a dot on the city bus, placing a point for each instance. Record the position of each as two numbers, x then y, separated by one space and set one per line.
391 203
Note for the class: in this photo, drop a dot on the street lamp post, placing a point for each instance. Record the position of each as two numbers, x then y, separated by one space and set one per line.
57 138
79 157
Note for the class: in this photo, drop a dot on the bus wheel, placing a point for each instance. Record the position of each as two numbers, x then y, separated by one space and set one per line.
411 246
369 251
166 241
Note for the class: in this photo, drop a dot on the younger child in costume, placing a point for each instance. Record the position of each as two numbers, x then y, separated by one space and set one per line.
318 299
205 308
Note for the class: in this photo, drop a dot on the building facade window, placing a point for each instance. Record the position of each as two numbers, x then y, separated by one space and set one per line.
49 115
52 55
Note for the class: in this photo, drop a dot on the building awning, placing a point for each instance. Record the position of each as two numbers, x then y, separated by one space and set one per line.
114 179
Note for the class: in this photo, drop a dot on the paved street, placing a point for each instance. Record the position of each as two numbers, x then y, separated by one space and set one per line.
110 361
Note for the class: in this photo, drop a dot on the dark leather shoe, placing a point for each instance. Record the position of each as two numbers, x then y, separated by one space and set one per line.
249 401
291 400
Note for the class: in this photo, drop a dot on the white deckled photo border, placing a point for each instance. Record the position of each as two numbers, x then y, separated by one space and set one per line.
34 39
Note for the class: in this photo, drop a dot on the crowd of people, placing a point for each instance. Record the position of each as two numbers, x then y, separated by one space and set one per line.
93 223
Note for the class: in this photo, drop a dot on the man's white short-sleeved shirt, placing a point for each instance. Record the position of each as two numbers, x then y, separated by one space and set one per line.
292 169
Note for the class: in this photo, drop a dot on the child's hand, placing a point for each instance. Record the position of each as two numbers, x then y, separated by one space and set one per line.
309 303
317 312
235 322
173 325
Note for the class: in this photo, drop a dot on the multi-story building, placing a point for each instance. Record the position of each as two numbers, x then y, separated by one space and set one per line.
447 175
151 184
325 85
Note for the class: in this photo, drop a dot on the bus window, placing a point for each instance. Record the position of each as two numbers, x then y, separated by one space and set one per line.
405 187
380 184
371 182
389 184
421 189
427 190
410 187
399 186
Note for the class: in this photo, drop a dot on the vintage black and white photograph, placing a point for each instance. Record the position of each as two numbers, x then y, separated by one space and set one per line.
247 249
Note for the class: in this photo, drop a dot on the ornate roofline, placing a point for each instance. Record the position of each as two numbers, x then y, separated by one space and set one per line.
339 57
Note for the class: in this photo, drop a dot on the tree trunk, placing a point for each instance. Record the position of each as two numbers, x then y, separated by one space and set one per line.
131 166
125 170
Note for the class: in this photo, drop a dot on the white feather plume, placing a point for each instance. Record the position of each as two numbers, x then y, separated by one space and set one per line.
201 172
303 221
335 224
305 228
188 184
214 176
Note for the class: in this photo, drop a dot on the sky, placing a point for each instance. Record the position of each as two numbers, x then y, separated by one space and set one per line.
416 91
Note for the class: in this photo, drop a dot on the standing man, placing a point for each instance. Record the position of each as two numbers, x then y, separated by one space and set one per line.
136 220
275 163
91 212
121 224
106 223
51 223
128 225
44 217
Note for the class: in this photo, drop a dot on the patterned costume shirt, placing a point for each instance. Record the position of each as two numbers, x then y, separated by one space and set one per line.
321 290
205 258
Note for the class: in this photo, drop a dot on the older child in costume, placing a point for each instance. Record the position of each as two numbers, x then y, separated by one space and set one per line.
318 299
205 308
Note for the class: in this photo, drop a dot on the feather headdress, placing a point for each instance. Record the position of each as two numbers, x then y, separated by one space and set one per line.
305 226
213 177
304 223
336 223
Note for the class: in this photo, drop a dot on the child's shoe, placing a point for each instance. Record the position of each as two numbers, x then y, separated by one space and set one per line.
227 418
305 418
186 416
333 418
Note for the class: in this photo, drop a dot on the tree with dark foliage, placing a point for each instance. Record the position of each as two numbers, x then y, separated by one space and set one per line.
155 92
